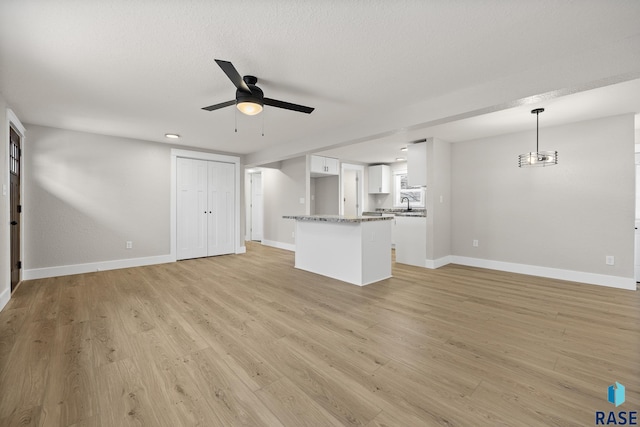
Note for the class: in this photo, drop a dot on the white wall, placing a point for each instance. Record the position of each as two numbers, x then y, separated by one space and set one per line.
87 194
283 188
568 216
438 201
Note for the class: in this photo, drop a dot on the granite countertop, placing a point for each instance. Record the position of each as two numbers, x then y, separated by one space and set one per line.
415 212
338 218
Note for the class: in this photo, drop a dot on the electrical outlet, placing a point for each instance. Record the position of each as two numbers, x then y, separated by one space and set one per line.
610 260
293 234
302 200
129 244
441 199
475 243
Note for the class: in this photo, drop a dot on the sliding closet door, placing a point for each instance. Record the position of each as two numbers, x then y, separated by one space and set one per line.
191 230
221 194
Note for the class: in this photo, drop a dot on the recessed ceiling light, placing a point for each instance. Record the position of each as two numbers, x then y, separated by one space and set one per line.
403 149
400 159
172 135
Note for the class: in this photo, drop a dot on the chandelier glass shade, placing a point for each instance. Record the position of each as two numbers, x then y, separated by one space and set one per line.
538 158
249 108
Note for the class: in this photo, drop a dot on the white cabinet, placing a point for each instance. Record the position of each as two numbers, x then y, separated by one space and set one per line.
324 166
379 179
205 208
417 164
410 236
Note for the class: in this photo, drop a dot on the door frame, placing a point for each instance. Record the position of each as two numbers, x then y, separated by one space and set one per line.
12 121
200 155
357 168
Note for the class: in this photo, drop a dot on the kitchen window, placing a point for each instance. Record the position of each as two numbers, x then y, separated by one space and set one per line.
401 189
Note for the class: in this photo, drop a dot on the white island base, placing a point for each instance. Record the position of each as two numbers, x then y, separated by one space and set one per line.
354 250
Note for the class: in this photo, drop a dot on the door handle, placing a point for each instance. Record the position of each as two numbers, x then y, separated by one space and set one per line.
14 222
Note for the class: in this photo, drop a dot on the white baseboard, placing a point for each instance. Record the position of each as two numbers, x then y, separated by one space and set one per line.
279 245
66 270
552 273
4 298
437 263
242 250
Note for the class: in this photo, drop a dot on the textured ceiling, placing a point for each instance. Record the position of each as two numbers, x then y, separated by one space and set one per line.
141 69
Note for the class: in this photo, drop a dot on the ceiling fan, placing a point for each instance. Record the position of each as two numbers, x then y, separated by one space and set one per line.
249 97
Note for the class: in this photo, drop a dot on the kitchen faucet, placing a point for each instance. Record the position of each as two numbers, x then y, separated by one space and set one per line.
408 207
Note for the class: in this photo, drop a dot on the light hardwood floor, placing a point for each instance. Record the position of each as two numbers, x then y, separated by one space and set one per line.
248 340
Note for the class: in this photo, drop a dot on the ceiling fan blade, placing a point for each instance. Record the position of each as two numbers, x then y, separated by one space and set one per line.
233 75
288 105
218 106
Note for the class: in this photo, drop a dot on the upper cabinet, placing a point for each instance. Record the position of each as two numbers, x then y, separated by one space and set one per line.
324 166
379 179
417 164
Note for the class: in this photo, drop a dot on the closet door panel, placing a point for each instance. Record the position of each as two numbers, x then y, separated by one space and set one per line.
191 208
221 186
200 248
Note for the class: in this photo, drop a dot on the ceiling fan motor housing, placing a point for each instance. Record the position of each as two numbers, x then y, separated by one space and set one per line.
256 95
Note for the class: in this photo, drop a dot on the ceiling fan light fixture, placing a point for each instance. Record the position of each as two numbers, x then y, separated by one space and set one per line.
250 103
250 99
538 158
250 108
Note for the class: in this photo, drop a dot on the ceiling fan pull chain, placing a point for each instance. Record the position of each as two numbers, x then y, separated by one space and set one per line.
235 116
263 123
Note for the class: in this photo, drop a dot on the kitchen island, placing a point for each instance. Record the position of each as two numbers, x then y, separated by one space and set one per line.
356 250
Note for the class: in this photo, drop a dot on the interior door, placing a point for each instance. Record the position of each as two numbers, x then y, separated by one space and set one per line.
15 153
256 207
192 210
350 192
221 208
